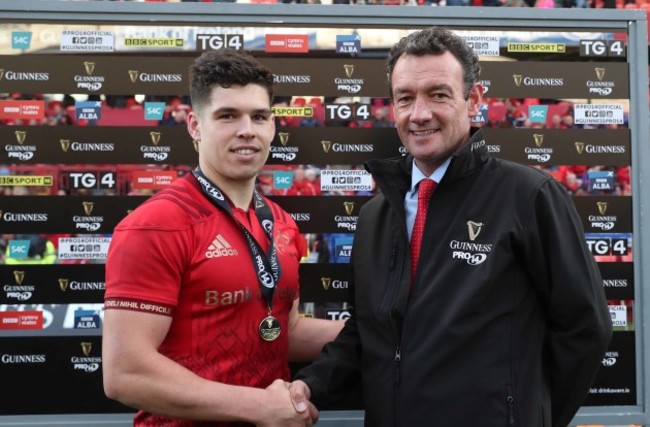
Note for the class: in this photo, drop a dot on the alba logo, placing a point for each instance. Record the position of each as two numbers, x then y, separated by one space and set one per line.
220 247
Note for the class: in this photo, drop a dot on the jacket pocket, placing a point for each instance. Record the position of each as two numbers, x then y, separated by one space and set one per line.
391 284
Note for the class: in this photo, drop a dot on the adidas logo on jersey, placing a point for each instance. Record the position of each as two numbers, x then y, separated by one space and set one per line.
220 247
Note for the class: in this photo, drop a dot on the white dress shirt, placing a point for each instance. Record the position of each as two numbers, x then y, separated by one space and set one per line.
411 199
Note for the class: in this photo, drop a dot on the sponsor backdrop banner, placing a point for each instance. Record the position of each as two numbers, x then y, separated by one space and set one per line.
168 75
62 284
616 380
53 363
53 284
328 214
299 145
332 115
560 146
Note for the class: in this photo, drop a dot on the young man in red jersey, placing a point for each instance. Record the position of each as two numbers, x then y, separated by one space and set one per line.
201 303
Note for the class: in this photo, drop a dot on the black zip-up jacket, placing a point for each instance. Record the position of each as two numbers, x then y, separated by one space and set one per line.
506 323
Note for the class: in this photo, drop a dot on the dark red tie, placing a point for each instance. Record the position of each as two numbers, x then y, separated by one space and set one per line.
426 187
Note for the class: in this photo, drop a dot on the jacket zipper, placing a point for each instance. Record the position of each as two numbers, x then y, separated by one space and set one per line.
511 410
398 351
393 258
398 359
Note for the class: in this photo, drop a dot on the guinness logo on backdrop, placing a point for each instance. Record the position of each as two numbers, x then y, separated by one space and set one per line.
195 143
518 78
133 75
19 276
580 146
538 138
63 284
90 67
602 207
86 347
349 70
326 145
326 282
600 73
2 73
65 144
284 137
474 229
88 207
349 207
20 136
155 137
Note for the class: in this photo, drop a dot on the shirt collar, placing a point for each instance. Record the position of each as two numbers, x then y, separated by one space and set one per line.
417 175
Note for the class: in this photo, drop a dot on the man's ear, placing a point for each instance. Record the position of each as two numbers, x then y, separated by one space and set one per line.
193 127
474 100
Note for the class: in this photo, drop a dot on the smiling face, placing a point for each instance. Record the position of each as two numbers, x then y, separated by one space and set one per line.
235 129
432 112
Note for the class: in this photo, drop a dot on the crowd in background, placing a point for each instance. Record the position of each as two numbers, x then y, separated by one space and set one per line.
508 3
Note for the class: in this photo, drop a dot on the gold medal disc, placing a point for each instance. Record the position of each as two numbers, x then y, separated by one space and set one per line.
270 328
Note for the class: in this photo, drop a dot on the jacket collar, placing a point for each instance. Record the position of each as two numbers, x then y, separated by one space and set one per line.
393 175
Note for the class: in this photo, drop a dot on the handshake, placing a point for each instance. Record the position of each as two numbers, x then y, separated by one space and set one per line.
293 408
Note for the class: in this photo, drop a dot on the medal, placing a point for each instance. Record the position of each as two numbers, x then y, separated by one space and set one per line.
266 264
270 328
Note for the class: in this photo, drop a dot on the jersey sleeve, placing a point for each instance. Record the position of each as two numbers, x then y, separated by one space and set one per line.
145 264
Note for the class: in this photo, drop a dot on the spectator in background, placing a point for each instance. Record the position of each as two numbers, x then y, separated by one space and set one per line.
515 115
265 184
567 120
556 122
177 117
573 183
381 117
312 181
305 182
20 190
281 101
310 122
56 115
318 249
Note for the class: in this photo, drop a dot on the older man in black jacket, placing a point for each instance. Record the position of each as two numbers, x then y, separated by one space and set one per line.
504 322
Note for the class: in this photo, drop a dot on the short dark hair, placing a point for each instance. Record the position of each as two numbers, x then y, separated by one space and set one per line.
226 68
436 41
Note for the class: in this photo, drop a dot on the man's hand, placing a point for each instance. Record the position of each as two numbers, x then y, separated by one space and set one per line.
281 410
300 395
